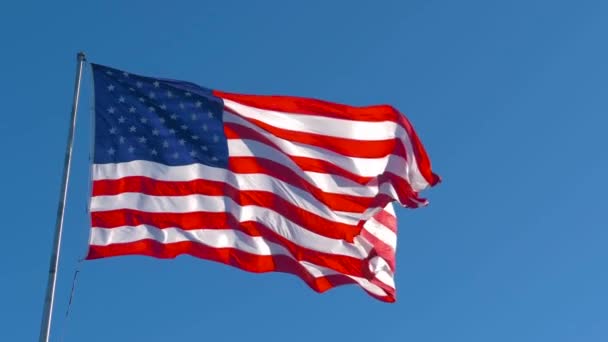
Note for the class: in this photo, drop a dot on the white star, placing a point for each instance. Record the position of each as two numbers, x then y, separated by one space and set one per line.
131 149
109 72
169 93
182 141
214 158
121 119
125 74
122 140
153 152
132 109
111 87
188 94
194 137
139 84
131 89
142 140
141 99
162 120
193 116
184 127
113 130
210 115
181 105
111 151
155 132
172 131
204 148
175 155
173 116
143 120
151 95
132 129
205 127
165 144
192 153
156 84
121 99
198 103
216 138
163 106
111 110
152 109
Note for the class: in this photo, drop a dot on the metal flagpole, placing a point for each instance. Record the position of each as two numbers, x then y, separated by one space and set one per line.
45 327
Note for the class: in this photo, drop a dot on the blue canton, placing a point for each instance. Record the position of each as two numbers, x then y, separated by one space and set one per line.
164 121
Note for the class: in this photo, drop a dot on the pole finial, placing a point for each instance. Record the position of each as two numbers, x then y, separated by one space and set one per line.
81 56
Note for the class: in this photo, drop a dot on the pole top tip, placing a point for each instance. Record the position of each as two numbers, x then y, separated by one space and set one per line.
81 56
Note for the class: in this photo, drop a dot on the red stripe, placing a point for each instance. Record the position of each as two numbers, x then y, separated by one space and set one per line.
197 220
338 202
381 249
343 146
234 131
299 105
387 219
422 158
407 196
297 215
234 257
323 166
387 289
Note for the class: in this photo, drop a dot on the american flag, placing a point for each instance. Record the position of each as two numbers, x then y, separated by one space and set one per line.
262 183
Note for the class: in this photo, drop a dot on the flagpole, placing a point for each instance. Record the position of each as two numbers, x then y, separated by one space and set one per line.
45 327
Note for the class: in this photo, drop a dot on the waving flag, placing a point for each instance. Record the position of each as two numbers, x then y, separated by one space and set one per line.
262 183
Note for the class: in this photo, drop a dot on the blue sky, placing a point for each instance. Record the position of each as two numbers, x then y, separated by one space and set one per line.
509 98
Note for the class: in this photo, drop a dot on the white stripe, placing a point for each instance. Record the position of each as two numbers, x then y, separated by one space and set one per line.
391 210
329 182
250 181
319 271
381 232
350 129
333 127
367 167
412 172
216 239
378 265
380 268
279 224
326 183
193 203
289 193
244 182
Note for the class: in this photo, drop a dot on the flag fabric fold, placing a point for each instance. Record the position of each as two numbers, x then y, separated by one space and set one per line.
262 183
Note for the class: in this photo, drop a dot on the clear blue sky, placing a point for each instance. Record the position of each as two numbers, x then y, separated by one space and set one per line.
509 97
